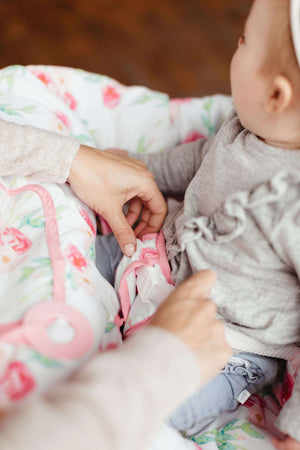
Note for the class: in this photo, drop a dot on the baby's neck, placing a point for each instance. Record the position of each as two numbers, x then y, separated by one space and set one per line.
282 131
291 145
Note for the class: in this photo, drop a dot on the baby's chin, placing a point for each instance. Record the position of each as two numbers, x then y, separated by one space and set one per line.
256 122
253 126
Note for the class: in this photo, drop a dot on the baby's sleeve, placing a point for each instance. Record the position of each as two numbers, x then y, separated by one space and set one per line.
174 169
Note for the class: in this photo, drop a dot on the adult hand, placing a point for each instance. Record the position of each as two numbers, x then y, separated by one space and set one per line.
192 317
107 181
288 443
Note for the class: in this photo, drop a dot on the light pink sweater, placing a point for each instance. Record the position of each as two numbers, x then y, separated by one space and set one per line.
119 399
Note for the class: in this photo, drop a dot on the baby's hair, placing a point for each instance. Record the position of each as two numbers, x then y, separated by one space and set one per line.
281 56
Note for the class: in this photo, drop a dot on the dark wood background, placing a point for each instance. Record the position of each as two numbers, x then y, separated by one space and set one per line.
182 47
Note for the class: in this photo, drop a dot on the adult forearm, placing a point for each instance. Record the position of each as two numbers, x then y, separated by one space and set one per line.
117 401
25 150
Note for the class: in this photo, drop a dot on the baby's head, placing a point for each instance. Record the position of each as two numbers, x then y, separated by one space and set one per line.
265 74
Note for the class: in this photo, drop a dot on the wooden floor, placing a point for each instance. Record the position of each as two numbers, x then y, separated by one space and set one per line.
182 47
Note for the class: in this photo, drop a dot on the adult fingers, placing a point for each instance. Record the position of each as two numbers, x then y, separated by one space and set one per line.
155 203
145 216
121 229
135 207
198 286
181 306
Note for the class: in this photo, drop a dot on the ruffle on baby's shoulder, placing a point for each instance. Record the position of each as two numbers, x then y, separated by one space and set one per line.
270 204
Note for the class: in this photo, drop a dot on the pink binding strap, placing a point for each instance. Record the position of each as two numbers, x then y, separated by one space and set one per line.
32 329
149 257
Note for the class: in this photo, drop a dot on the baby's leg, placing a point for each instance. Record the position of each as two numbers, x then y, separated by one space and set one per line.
245 372
108 256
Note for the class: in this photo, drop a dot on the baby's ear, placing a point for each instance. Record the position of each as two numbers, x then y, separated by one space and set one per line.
279 96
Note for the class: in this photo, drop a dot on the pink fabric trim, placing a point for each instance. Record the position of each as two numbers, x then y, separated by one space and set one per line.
32 329
5 327
52 236
118 321
137 326
163 261
148 236
148 257
123 289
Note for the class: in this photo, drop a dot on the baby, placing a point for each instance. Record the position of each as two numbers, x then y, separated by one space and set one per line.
241 217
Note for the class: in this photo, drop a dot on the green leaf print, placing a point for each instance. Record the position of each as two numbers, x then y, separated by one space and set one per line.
223 436
8 74
208 105
227 446
46 361
10 81
43 261
71 278
28 109
83 138
144 99
8 110
110 326
38 222
206 119
13 111
162 99
91 252
229 426
247 427
93 78
28 271
141 148
60 209
201 440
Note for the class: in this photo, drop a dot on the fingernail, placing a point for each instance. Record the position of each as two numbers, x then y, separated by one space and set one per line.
129 249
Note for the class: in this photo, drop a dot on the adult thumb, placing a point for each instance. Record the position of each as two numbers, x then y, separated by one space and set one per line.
122 231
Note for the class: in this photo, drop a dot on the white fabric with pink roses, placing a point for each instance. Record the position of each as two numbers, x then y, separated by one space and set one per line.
55 308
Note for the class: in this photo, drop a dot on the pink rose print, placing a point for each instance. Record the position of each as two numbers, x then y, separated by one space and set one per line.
240 437
84 280
15 239
63 118
76 258
88 220
43 77
174 106
17 382
111 96
193 135
69 100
